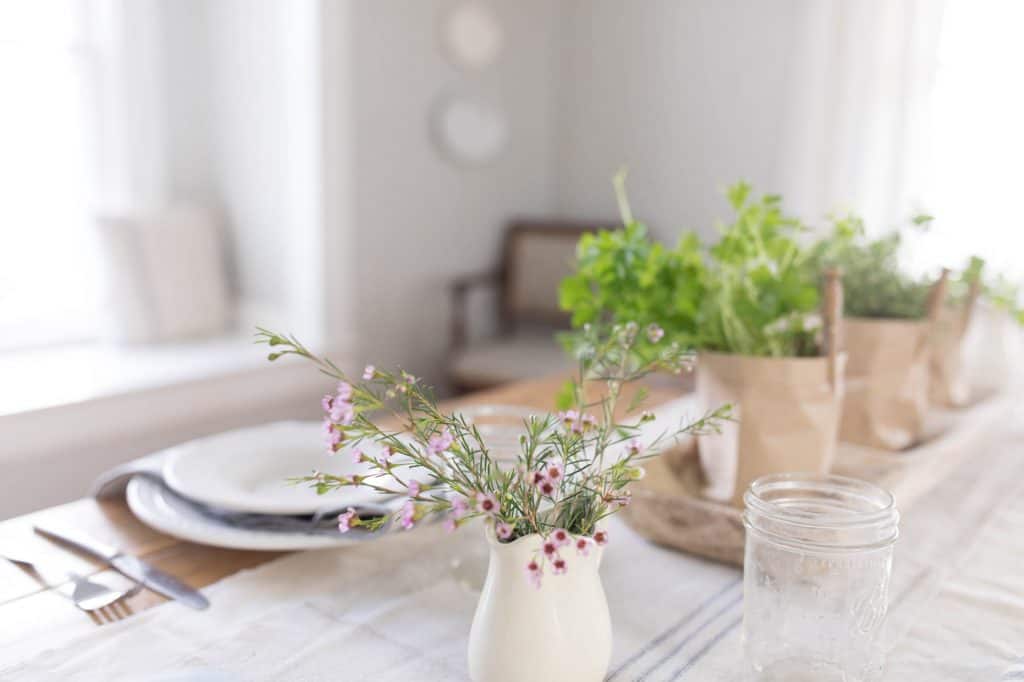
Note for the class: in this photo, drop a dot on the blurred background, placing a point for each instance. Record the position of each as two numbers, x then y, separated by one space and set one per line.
402 182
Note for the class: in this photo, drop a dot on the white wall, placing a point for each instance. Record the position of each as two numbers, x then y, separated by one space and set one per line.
309 122
264 95
318 142
690 94
420 219
186 84
245 132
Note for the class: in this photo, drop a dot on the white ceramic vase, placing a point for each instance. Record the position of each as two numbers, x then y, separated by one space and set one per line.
560 631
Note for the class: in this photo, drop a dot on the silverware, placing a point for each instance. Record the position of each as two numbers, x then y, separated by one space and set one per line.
126 564
90 595
87 594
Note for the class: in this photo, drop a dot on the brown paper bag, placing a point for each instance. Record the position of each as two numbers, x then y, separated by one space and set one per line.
886 382
948 383
887 376
787 410
787 416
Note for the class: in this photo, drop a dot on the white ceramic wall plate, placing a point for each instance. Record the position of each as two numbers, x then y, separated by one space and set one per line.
471 35
468 129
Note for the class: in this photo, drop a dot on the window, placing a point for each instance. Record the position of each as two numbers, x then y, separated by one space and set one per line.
977 138
49 94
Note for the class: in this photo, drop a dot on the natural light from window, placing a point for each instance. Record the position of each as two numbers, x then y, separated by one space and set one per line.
977 138
48 94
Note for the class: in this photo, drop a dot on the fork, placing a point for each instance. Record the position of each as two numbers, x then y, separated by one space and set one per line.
97 599
102 603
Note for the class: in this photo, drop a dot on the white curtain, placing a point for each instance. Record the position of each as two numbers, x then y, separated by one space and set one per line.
856 134
973 181
80 133
131 147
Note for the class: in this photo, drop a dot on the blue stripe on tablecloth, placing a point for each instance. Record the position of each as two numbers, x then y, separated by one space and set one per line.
969 530
673 629
690 637
1015 671
707 647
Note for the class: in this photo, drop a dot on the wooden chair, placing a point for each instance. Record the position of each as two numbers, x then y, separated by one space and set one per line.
535 256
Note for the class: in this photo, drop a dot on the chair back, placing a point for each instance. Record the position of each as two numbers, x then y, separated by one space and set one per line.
537 256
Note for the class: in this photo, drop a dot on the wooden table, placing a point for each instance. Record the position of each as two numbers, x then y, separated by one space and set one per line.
28 606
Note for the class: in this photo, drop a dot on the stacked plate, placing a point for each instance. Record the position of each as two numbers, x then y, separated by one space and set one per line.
233 490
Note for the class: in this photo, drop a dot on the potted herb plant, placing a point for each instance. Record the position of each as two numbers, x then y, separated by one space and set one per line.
750 305
948 382
986 357
888 330
542 614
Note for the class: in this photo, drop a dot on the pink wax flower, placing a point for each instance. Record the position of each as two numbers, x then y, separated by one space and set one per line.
459 505
440 442
332 436
357 455
558 566
554 470
327 402
344 391
547 488
407 515
534 573
342 412
503 530
561 537
634 447
550 548
346 520
384 460
569 417
487 503
450 524
654 333
601 537
583 546
368 372
409 379
589 421
537 477
414 488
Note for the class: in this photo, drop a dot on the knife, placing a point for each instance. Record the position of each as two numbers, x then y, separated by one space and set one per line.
126 564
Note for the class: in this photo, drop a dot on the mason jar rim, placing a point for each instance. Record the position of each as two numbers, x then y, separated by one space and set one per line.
881 514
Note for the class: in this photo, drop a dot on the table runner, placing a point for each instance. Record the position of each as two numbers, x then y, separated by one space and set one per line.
400 609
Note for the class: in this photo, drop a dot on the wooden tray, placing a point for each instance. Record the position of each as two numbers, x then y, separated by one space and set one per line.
670 509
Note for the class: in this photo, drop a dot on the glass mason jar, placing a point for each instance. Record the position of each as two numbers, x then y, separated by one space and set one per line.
816 577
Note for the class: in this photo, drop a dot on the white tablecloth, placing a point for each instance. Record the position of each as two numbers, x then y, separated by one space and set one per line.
400 609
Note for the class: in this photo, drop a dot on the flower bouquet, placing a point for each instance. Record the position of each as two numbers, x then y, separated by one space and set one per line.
543 514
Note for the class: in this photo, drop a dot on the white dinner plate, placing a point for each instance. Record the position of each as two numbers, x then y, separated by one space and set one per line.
160 508
247 470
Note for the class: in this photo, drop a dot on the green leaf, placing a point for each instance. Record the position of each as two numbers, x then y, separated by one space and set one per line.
638 399
566 396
